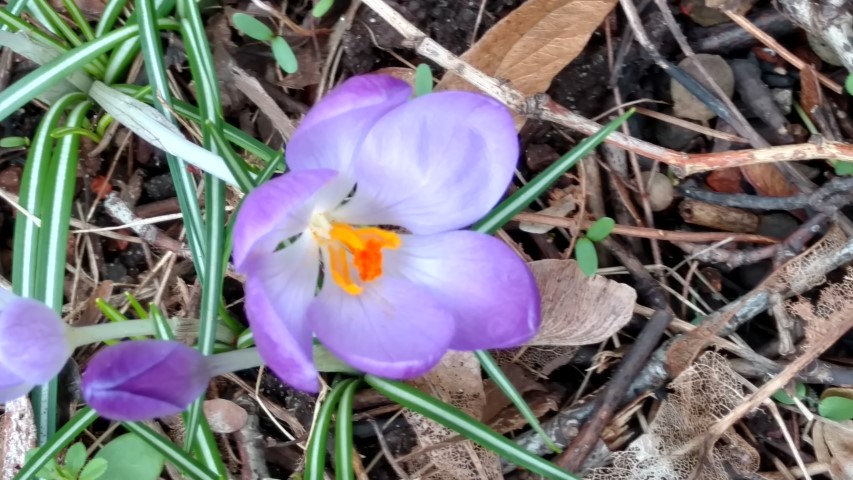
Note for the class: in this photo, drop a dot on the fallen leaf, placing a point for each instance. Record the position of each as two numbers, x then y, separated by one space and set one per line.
579 310
533 43
767 180
456 380
496 400
834 445
726 180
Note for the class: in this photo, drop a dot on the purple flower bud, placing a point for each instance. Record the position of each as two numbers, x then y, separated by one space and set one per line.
141 380
33 345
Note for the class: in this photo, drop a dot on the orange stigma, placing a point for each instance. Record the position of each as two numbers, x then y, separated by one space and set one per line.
356 248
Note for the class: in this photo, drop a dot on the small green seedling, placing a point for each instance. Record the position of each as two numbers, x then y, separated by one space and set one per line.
848 85
14 142
784 398
322 7
74 466
254 28
836 408
585 246
423 80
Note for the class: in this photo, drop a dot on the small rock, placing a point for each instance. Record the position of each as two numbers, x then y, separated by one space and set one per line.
160 187
115 271
784 98
706 12
777 225
660 190
685 105
224 416
672 136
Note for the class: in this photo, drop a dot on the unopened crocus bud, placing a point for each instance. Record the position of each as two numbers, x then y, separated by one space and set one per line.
141 380
33 345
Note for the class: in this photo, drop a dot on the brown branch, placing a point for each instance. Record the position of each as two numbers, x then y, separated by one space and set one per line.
652 233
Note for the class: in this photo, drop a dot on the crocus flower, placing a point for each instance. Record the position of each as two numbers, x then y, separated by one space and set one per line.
33 345
378 188
144 379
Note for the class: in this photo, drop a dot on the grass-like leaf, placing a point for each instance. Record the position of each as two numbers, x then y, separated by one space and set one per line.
56 201
467 426
501 214
497 375
39 80
315 453
521 199
188 465
343 435
47 452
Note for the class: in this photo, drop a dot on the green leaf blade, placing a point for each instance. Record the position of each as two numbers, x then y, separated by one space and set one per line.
423 80
467 426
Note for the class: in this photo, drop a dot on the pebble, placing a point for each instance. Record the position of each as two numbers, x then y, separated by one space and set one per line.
685 105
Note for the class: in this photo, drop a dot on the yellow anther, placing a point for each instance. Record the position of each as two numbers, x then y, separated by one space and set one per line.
361 246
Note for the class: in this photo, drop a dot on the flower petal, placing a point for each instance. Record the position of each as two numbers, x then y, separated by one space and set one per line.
331 132
11 386
33 344
276 211
437 163
393 329
144 379
279 288
488 288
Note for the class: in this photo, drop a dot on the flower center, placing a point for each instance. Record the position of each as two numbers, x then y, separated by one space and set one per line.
350 248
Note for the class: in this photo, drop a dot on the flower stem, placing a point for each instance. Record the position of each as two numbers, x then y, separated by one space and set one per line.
79 336
233 361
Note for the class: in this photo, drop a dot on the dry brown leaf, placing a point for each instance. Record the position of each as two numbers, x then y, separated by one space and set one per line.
456 380
839 445
579 310
533 43
705 392
767 180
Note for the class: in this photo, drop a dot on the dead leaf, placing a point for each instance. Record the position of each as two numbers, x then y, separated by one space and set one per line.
456 380
579 310
726 180
533 43
767 180
405 74
833 444
496 400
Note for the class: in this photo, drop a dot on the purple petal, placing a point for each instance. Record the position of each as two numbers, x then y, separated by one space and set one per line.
437 163
11 386
330 134
393 329
141 380
33 344
488 288
276 211
279 288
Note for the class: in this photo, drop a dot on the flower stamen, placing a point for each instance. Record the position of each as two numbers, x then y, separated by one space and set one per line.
365 247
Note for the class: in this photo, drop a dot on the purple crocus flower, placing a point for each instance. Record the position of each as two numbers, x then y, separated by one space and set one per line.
33 345
144 379
378 188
